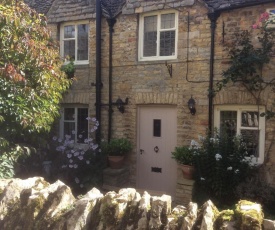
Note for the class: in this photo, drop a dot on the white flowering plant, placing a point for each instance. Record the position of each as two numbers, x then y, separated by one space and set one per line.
223 163
78 165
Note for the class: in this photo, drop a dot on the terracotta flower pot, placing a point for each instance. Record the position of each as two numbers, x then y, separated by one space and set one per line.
116 162
187 171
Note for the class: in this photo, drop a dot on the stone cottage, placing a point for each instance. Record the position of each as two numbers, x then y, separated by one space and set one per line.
139 64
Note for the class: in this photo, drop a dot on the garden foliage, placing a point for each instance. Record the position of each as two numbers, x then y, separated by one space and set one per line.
222 163
116 147
31 81
248 57
78 165
186 155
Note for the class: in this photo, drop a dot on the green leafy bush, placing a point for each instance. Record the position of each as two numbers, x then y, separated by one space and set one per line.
69 69
223 163
186 154
117 147
6 166
9 159
32 83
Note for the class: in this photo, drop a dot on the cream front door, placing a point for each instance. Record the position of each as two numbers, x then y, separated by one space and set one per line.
157 138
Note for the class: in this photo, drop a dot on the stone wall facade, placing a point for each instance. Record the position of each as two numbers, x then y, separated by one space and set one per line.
149 83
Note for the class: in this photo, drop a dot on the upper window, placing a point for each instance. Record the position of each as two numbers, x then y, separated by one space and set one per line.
74 42
245 121
158 36
74 123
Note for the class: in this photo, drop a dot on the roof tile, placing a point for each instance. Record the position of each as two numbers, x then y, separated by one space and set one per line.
225 4
60 10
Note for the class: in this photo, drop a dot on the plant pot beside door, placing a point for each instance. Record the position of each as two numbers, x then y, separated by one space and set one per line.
116 150
187 171
184 155
116 162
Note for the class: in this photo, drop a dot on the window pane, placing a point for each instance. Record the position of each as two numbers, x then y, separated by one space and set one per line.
150 24
271 18
157 128
251 138
82 44
167 21
69 49
228 123
167 43
82 125
69 31
150 36
250 119
69 114
69 129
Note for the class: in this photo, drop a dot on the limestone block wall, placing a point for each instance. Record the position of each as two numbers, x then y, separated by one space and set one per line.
35 204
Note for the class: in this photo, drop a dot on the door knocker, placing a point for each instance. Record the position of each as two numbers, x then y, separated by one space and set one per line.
156 149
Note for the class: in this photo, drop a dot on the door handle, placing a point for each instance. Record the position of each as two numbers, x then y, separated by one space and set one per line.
141 151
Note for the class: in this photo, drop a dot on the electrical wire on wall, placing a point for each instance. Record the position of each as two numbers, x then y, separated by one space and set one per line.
187 46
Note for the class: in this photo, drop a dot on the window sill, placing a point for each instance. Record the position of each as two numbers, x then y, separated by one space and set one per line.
157 61
77 63
141 59
81 62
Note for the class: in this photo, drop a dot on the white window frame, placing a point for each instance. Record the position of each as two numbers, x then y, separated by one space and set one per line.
141 34
62 120
62 39
239 109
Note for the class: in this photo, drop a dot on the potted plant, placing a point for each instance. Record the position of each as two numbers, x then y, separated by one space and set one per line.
116 150
69 69
185 157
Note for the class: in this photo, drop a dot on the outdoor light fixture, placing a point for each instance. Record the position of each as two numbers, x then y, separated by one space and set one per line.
191 105
120 104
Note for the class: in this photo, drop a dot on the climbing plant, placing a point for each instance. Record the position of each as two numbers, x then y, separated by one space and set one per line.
248 58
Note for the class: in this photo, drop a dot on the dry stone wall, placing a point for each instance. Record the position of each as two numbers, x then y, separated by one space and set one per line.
35 204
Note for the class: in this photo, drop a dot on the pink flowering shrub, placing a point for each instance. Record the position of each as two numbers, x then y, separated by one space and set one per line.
249 54
263 21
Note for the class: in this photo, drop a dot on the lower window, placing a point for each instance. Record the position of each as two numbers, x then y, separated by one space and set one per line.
245 121
74 123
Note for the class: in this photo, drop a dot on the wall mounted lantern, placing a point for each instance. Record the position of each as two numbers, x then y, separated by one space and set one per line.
120 104
191 105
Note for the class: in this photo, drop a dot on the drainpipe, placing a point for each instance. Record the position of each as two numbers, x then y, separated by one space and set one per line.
213 16
111 23
98 70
